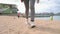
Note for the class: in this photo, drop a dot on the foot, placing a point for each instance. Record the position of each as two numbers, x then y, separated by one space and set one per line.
32 25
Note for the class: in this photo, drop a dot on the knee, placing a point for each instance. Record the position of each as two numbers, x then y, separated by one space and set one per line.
31 7
27 9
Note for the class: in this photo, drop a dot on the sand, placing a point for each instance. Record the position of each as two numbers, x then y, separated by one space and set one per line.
15 25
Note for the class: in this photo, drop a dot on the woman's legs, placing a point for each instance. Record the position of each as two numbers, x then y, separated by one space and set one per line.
32 3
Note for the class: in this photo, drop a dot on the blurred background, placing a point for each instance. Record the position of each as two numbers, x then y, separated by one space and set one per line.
44 9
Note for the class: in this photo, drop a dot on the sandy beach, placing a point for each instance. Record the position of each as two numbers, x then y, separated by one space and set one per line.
15 25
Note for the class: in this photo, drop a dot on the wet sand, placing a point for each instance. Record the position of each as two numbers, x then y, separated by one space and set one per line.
15 25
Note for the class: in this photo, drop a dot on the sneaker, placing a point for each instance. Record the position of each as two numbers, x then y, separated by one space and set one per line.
32 25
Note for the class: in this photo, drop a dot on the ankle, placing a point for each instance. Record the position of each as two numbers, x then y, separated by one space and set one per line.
32 20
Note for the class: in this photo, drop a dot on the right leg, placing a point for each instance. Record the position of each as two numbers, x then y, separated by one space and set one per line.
26 2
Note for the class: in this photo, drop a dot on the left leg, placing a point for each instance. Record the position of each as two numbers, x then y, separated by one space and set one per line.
26 3
32 3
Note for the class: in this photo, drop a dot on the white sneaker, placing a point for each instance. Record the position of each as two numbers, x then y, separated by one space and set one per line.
32 25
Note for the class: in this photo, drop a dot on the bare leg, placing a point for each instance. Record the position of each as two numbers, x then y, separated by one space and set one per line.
26 2
32 3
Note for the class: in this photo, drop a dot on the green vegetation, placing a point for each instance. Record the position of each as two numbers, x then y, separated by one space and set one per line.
3 6
9 10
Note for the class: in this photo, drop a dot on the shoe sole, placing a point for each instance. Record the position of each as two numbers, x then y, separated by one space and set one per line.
33 26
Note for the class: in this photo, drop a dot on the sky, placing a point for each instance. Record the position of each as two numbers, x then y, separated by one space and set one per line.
43 6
